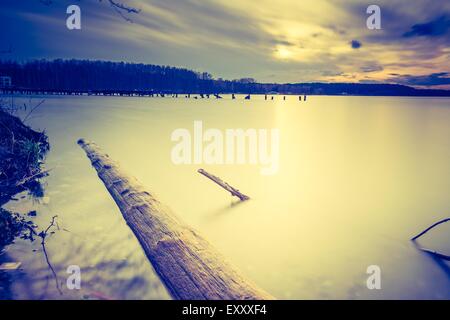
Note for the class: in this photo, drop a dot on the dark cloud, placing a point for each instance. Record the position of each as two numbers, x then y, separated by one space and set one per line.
355 44
335 29
436 27
397 19
234 41
433 79
373 67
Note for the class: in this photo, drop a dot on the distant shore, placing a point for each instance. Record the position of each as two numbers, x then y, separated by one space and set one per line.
194 95
118 78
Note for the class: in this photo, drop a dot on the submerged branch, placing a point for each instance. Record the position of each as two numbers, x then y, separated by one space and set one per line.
223 184
429 251
429 228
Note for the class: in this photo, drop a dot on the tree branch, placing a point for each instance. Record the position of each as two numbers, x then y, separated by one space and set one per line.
123 9
429 228
435 253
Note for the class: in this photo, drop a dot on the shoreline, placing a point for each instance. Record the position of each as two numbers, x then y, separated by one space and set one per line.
135 94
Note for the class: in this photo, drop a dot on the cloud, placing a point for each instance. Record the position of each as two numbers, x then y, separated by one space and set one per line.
372 67
332 73
286 41
434 79
355 44
282 42
434 28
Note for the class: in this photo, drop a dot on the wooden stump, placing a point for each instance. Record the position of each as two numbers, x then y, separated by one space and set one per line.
187 264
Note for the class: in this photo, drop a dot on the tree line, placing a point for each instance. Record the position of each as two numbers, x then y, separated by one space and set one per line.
95 75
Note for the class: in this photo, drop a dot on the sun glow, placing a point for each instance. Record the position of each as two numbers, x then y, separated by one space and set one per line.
281 52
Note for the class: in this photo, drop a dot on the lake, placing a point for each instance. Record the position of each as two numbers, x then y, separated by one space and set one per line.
357 178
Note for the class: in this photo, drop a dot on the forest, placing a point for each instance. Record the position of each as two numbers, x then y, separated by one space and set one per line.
94 75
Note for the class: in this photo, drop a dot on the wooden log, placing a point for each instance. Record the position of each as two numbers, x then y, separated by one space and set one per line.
223 184
187 264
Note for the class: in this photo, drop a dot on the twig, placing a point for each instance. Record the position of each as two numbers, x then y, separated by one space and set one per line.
223 184
120 8
429 228
32 109
43 235
435 253
123 7
26 179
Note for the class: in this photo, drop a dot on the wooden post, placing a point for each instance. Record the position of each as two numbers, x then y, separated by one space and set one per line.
187 264
223 184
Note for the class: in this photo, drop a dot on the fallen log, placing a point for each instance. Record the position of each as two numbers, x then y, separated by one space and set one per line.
187 264
223 184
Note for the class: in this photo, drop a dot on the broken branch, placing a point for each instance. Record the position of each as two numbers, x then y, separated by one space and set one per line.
435 253
223 184
429 228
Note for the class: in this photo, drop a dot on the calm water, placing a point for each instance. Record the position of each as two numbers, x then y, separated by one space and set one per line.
358 176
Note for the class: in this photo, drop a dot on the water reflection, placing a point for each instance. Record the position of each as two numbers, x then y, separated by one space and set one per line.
225 210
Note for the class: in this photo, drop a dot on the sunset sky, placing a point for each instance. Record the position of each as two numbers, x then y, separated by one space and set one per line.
271 41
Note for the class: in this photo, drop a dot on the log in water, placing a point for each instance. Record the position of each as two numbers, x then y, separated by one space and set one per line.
223 184
187 264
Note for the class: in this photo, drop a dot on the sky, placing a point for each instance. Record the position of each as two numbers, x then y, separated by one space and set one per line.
284 41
